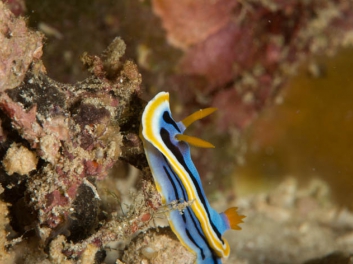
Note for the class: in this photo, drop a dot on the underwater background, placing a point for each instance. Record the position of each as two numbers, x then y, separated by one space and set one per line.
279 73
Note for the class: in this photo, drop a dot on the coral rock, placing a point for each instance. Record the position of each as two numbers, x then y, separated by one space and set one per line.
19 48
19 159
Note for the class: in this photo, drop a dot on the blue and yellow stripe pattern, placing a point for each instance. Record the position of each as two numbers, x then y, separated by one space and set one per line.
199 228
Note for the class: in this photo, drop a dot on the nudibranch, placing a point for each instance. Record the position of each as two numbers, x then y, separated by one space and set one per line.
199 227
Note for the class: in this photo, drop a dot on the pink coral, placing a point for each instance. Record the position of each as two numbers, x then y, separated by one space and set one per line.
191 21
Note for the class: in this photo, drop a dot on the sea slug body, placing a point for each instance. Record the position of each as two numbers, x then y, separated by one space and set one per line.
199 228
